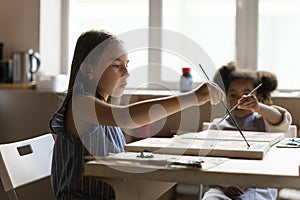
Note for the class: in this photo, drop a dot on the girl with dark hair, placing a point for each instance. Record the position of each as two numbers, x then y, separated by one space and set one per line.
87 124
269 81
253 114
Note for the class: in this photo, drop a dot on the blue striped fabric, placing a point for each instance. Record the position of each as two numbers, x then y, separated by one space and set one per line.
69 152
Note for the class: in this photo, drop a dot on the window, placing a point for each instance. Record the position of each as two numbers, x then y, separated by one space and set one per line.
116 16
212 27
210 24
257 34
278 39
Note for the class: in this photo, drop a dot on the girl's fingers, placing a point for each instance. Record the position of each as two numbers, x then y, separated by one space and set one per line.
246 100
215 92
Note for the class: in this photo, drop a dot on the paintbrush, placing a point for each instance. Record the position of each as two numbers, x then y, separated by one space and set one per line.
233 119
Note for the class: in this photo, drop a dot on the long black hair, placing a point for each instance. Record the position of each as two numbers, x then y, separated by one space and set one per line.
88 52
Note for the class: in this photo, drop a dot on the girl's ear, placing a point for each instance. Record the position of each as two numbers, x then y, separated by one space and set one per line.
87 70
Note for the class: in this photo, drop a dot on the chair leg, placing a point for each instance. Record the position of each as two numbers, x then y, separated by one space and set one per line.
12 195
200 191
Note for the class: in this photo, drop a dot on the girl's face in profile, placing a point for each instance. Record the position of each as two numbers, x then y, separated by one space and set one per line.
236 90
114 78
110 72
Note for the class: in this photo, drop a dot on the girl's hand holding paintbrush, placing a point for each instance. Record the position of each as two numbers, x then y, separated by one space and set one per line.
249 102
240 101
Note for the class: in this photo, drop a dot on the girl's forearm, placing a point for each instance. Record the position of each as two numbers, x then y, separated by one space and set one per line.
271 114
145 112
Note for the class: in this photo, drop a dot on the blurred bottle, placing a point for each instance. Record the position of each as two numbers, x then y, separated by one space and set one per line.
1 50
186 80
5 68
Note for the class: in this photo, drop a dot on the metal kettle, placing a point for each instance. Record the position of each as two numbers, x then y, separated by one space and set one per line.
25 65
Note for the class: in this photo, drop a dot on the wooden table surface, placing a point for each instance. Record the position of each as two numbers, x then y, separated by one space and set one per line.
278 169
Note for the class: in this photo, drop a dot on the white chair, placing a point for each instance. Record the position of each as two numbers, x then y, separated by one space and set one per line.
292 132
25 162
289 194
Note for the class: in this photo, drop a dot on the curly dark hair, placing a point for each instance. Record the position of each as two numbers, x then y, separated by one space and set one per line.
230 72
269 84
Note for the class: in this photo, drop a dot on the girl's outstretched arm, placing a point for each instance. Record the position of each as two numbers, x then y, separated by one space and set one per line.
91 110
269 113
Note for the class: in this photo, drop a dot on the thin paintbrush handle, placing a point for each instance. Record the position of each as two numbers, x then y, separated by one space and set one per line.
236 105
252 91
235 123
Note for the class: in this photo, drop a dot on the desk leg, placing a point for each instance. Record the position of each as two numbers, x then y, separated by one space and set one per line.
134 189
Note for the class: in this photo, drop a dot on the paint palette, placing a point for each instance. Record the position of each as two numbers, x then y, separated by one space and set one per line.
289 143
168 160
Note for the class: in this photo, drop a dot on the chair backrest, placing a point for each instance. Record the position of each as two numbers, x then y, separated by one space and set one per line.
26 161
292 132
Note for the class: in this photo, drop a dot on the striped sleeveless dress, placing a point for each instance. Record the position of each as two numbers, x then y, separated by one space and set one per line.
69 154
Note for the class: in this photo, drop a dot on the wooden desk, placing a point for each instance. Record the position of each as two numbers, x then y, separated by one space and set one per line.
279 168
18 85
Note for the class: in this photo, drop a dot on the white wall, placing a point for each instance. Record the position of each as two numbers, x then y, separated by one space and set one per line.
19 22
50 36
33 24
